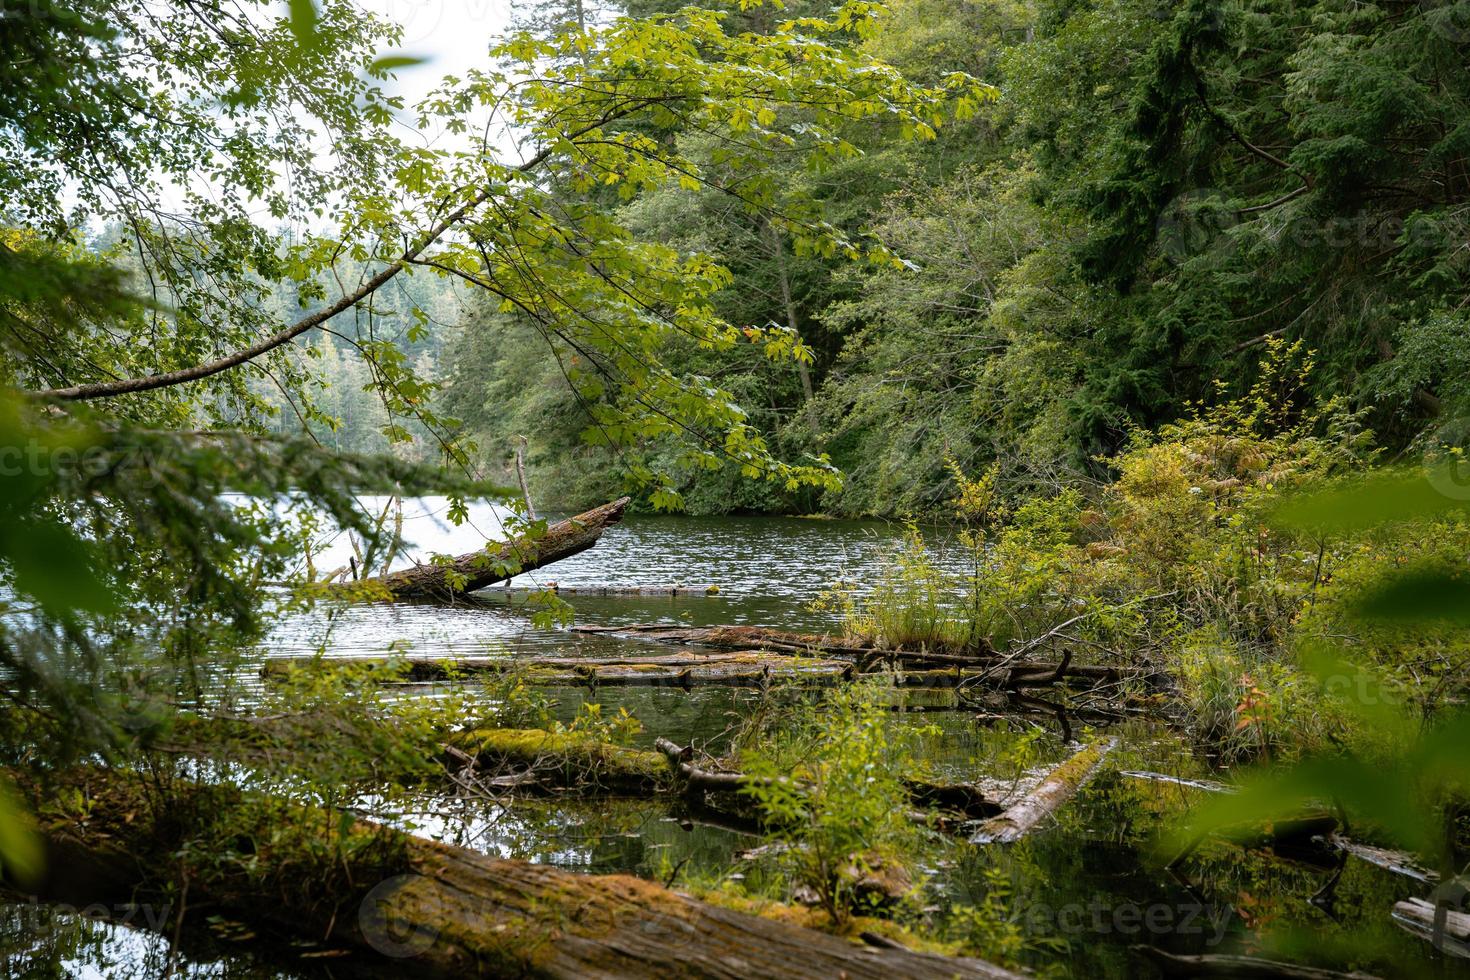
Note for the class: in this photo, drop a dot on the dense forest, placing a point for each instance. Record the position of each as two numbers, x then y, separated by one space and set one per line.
1162 189
1016 451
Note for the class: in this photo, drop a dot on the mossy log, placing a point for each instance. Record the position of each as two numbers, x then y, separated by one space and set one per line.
428 908
564 758
751 668
1056 788
964 798
498 562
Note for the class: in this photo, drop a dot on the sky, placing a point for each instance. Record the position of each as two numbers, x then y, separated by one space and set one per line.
451 34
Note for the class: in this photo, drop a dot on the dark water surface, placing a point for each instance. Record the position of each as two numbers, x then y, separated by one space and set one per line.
1082 892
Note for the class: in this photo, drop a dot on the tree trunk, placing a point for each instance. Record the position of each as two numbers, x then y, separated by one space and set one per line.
1059 786
436 910
498 562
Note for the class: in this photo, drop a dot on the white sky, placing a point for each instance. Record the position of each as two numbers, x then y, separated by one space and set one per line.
452 34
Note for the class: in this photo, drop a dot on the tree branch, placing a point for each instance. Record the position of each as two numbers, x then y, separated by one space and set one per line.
125 386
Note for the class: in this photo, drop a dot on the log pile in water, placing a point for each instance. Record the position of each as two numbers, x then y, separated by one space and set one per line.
439 910
737 668
750 668
923 668
498 562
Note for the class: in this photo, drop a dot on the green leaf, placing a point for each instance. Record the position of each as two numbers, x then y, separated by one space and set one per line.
303 19
53 566
1397 496
1417 596
390 62
22 859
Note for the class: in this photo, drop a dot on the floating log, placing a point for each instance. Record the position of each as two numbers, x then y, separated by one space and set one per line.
1448 929
964 798
751 668
1399 862
1059 786
498 562
437 910
1243 967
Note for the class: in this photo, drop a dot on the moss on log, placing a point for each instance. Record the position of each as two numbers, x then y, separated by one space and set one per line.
565 758
496 562
429 908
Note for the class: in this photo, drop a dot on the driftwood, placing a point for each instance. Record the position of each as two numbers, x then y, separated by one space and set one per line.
1447 928
1056 788
751 668
964 798
498 562
438 910
1243 967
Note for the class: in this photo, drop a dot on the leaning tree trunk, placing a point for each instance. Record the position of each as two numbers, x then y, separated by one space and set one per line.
434 909
499 562
1059 786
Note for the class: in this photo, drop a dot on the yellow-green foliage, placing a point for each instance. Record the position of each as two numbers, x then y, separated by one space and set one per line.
1179 561
847 815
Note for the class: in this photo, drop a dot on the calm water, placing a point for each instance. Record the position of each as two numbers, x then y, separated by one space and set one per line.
1082 892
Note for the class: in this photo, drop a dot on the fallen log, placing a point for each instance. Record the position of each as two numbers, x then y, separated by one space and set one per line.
497 562
963 798
1446 928
1056 788
1243 967
431 908
563 758
737 638
751 668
